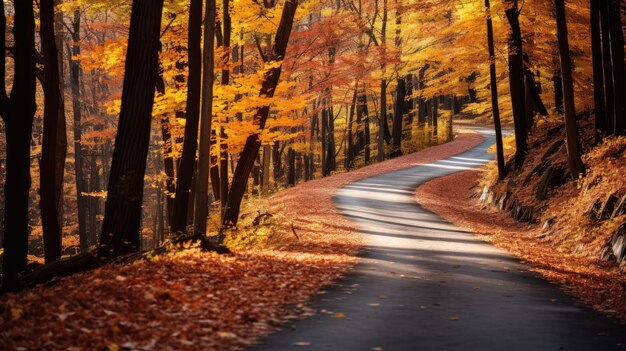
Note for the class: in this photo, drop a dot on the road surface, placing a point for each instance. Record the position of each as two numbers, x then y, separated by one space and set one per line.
424 284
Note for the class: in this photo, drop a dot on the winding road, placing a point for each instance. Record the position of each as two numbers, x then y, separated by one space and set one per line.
423 284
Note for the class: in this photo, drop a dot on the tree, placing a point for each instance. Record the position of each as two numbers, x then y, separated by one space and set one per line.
17 111
516 83
120 229
253 142
190 144
493 85
598 78
202 180
573 150
53 148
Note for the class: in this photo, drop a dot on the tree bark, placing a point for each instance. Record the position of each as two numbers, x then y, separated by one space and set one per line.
253 143
398 115
608 68
17 112
201 209
516 82
571 130
75 84
52 151
598 77
494 95
617 58
190 143
122 216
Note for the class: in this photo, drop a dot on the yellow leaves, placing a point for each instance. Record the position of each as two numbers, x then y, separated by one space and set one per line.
340 315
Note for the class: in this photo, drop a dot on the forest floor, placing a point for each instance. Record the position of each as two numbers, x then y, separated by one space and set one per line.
598 283
194 300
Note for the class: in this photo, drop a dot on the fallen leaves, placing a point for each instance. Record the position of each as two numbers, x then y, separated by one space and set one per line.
191 300
599 284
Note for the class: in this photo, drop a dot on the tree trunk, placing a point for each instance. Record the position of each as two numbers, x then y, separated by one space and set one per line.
608 68
494 95
253 143
201 208
17 111
52 151
617 58
265 180
291 166
122 216
223 137
382 120
516 82
398 116
190 144
75 83
598 78
571 130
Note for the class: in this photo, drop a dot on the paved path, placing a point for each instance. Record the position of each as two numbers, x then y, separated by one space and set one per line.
424 284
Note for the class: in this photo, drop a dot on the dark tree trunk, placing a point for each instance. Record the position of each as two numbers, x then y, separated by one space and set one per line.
265 174
122 216
516 82
276 162
253 143
168 158
201 198
598 77
435 118
75 83
398 115
608 68
350 139
52 150
190 144
494 95
571 130
17 111
324 136
382 120
617 58
366 127
291 174
223 137
331 151
410 105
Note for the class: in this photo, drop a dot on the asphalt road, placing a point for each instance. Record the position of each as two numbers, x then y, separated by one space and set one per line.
424 284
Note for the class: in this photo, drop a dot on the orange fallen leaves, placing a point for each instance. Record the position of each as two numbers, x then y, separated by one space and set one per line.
192 300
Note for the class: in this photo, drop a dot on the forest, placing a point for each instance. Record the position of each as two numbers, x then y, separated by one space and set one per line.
142 130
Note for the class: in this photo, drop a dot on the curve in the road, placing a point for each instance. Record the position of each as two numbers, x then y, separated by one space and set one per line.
424 284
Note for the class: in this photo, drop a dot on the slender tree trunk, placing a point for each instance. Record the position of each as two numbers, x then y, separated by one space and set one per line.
253 143
571 130
190 144
494 95
382 120
265 180
52 152
608 68
75 84
223 137
291 166
201 210
617 58
122 216
598 77
398 116
516 82
17 111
